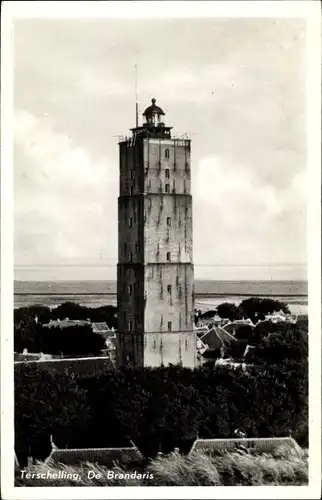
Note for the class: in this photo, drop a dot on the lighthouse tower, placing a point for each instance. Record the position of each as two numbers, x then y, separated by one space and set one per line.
155 268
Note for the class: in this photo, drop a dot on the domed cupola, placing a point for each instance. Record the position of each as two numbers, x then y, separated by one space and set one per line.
153 115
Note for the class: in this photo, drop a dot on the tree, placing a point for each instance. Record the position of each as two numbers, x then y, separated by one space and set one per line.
29 313
208 314
288 344
167 407
245 333
257 308
47 403
229 311
70 310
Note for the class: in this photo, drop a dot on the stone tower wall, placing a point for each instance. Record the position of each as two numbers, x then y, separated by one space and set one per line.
155 269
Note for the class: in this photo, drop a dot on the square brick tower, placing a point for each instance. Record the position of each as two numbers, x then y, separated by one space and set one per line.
155 283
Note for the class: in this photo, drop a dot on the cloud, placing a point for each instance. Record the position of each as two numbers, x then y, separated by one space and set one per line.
238 85
239 218
63 199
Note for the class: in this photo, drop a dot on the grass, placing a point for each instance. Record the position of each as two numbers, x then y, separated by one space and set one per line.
228 469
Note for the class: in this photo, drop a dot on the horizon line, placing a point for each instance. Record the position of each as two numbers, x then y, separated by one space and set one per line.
42 266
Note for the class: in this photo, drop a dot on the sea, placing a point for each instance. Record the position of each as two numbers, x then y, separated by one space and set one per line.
208 294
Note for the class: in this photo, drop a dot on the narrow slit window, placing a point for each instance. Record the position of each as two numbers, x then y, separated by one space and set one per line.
169 289
169 326
130 221
130 325
131 257
131 190
125 247
167 188
168 256
167 153
131 174
169 221
130 289
167 173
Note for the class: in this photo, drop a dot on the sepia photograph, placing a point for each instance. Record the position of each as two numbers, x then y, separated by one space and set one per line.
161 317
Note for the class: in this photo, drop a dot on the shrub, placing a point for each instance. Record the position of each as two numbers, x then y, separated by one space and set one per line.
199 469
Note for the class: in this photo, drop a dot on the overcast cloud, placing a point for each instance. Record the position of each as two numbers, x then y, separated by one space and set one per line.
237 86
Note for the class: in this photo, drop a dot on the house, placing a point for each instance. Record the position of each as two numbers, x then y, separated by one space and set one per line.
276 318
32 356
216 338
211 318
211 345
201 347
232 364
206 317
248 349
27 356
83 365
251 445
65 323
107 457
102 329
291 318
201 330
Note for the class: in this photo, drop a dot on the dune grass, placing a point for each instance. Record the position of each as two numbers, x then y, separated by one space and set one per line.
227 469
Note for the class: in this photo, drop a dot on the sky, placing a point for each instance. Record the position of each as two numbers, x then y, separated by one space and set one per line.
237 86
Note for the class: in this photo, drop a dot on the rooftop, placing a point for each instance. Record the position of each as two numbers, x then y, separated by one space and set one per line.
255 445
103 456
153 109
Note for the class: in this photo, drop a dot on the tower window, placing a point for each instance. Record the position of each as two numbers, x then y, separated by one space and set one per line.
169 221
167 188
131 190
125 247
167 153
169 289
167 173
168 256
131 256
131 174
130 221
130 289
130 325
169 326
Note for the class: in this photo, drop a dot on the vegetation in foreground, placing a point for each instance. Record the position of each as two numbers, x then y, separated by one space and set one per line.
229 469
175 404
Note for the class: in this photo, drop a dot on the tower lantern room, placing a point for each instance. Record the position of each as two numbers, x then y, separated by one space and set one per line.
153 123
